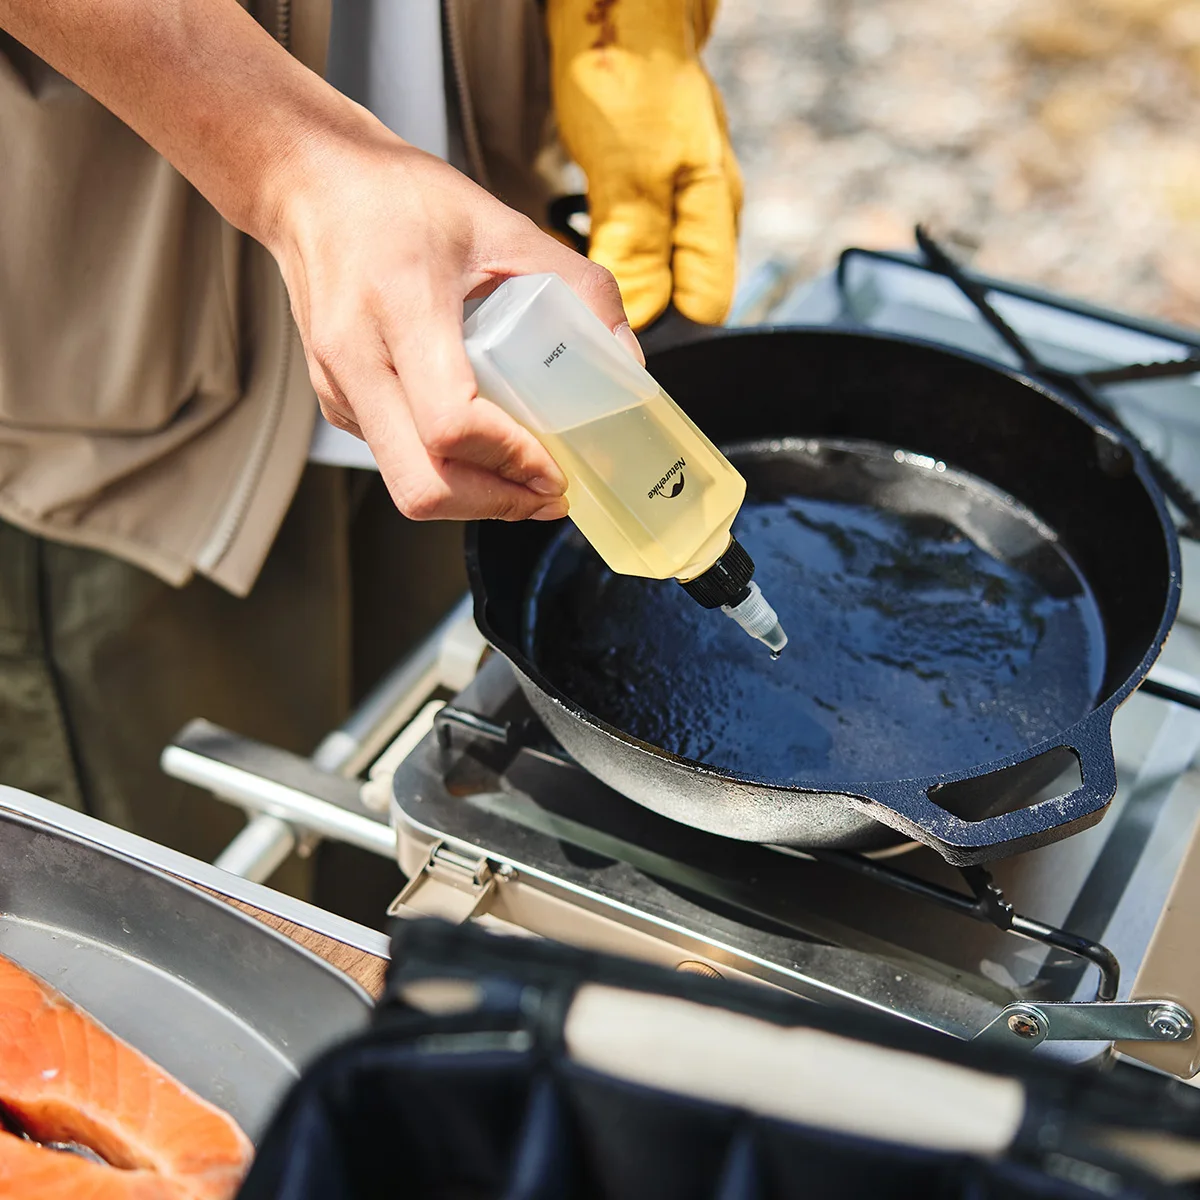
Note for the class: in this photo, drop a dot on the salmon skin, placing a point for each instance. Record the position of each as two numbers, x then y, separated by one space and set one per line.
65 1078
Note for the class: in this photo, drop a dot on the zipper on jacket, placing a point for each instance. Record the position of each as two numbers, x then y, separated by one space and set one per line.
466 110
242 492
283 23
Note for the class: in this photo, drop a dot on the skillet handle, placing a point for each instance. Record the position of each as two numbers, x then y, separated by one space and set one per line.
923 809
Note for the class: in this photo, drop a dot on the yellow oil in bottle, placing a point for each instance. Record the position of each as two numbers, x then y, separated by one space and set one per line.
650 492
648 489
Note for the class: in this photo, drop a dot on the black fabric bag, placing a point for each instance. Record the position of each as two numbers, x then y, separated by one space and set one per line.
512 1068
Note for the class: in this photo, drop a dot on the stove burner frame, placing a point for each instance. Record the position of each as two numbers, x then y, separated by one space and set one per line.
1021 1023
986 903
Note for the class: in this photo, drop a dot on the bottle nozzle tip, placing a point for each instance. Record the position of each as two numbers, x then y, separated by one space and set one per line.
774 639
758 619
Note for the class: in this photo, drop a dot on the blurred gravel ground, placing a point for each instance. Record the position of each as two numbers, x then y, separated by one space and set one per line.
1055 141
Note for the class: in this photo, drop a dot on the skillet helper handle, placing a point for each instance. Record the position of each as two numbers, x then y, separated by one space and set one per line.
923 809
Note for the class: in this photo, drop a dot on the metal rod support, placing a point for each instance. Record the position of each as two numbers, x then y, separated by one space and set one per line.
985 909
1165 691
1104 960
258 849
278 800
392 701
516 735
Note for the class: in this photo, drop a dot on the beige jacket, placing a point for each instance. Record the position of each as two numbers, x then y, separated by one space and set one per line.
154 398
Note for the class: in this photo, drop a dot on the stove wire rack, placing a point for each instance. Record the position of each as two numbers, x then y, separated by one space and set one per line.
1081 385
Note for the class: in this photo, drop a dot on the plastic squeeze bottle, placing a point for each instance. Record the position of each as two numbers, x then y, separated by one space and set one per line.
650 492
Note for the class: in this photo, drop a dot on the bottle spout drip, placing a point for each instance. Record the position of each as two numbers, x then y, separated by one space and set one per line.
758 619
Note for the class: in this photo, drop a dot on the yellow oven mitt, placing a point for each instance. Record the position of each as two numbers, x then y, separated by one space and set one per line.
639 114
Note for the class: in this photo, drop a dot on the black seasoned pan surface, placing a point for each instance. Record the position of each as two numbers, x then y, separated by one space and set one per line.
935 623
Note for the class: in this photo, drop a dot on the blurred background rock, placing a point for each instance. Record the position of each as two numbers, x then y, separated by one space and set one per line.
1055 141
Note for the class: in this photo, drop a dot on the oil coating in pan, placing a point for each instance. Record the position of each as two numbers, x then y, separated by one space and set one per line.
935 624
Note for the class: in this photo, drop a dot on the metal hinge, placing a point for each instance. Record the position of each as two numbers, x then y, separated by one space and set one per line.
451 885
1029 1025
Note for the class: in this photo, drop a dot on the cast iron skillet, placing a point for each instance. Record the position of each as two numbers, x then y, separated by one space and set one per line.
974 570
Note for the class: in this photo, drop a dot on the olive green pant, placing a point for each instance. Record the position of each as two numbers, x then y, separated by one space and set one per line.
101 663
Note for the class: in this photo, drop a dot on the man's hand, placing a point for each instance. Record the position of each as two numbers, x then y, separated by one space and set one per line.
379 244
639 114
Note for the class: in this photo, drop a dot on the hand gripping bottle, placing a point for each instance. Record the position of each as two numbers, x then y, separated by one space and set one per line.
650 492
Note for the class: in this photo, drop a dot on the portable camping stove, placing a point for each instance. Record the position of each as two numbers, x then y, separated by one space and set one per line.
1080 945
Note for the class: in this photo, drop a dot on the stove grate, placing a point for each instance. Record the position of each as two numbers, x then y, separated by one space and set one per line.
1082 385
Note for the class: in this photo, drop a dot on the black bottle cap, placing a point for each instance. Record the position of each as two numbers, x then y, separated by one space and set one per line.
727 581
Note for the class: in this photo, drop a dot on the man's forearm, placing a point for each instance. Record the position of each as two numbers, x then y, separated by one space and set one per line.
378 243
200 80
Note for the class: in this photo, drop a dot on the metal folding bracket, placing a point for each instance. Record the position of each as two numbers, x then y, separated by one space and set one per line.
451 885
1028 1025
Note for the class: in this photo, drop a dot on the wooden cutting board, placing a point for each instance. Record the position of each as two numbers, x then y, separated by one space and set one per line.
367 970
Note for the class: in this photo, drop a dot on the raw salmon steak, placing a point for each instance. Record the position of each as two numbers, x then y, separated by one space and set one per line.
64 1078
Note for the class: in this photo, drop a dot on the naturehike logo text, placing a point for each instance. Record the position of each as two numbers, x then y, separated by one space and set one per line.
677 487
555 353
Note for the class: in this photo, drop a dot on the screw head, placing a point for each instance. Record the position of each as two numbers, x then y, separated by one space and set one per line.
1170 1022
1026 1024
691 967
